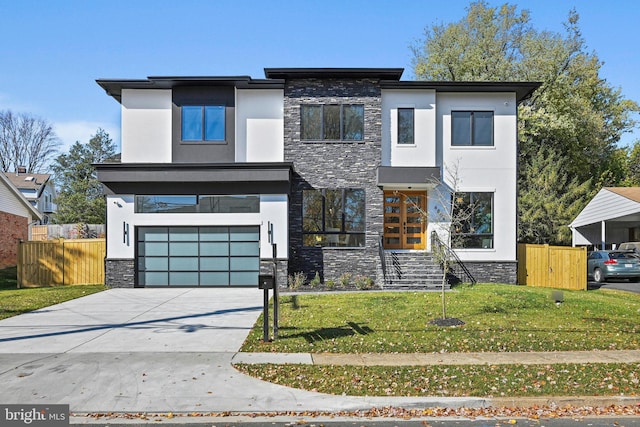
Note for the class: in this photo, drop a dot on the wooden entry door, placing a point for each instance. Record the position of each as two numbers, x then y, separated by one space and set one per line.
405 222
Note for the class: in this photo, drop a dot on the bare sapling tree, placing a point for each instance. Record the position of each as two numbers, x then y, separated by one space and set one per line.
26 141
450 215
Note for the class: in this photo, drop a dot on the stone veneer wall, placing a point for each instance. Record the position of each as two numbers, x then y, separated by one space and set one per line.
266 267
324 164
494 271
14 228
119 273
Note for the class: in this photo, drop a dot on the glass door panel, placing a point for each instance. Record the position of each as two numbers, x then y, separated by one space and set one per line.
404 219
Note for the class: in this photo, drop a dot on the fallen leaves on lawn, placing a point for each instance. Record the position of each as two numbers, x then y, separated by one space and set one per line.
511 413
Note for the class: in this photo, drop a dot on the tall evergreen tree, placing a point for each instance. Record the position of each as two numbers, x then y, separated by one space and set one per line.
575 117
80 198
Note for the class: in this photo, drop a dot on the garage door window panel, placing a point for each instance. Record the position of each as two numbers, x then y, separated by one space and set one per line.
199 256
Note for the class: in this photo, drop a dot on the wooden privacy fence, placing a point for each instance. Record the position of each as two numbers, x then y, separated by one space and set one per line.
61 262
547 266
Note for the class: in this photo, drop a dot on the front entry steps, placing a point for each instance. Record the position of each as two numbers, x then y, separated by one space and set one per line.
412 270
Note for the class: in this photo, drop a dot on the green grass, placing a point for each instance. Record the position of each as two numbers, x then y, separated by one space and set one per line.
15 301
498 318
472 380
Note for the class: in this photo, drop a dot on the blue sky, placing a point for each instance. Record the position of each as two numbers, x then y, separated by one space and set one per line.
53 51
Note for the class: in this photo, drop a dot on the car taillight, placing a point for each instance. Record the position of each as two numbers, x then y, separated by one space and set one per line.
610 262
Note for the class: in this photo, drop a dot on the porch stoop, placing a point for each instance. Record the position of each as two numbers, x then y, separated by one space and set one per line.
412 270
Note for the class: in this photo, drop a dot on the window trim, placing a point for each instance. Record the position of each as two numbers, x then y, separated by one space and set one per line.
413 126
197 206
471 142
343 227
322 123
203 124
461 235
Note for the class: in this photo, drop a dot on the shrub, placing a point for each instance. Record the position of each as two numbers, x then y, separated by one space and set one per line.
296 280
330 283
364 282
345 279
315 282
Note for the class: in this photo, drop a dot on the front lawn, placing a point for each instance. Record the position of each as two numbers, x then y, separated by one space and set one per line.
15 301
498 318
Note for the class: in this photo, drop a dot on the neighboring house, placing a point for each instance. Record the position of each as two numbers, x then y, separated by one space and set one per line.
16 216
38 189
325 163
611 217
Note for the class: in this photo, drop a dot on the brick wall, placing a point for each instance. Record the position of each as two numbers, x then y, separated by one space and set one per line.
13 228
334 165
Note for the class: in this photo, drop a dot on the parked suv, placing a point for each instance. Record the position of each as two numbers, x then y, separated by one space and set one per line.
603 265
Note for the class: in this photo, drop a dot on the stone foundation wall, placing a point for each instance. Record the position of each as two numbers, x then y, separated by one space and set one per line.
494 271
119 273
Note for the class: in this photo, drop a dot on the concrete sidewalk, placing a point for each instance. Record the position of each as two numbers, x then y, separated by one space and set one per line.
421 359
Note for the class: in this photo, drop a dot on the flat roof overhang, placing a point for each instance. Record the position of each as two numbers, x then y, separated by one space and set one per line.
195 178
523 90
408 176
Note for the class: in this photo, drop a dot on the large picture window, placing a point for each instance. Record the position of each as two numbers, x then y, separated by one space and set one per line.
333 122
197 204
472 221
405 126
203 123
333 217
472 128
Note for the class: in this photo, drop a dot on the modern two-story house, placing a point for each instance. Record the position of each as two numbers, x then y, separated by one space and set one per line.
345 170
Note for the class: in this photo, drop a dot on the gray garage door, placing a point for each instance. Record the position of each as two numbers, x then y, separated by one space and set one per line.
198 256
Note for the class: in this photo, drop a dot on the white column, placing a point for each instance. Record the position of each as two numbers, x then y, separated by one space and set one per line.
603 233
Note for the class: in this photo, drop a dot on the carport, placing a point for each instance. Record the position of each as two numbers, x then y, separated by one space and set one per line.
610 218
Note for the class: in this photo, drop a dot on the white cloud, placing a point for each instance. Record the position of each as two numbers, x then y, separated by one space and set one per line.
82 131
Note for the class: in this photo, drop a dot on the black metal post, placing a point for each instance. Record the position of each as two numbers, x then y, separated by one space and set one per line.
265 315
274 251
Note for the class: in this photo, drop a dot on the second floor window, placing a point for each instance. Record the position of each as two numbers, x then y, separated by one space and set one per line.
203 123
473 128
405 126
332 122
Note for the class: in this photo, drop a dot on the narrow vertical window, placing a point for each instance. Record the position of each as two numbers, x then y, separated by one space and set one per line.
353 122
311 122
406 126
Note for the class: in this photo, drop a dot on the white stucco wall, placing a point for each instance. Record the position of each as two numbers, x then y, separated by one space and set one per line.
259 125
146 126
484 169
423 152
120 209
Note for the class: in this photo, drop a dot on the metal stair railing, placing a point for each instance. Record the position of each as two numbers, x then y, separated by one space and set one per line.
454 261
383 260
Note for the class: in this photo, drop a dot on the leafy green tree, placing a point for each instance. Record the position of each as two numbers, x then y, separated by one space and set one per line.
633 166
80 198
575 117
550 200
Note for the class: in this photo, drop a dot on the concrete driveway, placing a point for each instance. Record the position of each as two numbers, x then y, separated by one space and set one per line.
137 320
